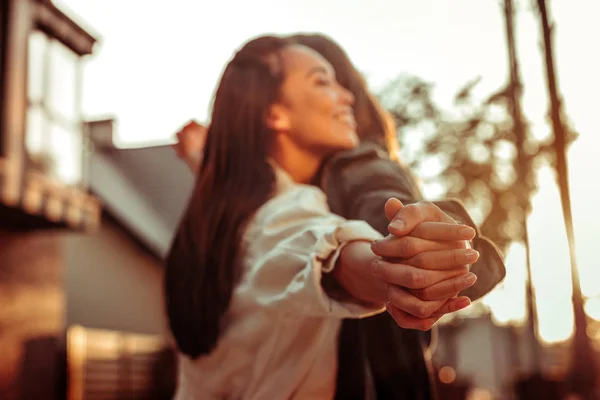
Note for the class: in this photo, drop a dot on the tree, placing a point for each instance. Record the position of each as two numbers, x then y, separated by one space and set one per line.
482 153
584 371
471 152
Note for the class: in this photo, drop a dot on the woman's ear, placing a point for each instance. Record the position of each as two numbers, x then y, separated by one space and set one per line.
278 119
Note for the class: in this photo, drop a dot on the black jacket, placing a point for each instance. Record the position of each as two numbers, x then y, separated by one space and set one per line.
357 184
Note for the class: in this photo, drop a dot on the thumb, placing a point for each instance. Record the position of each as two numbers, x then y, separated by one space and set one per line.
392 206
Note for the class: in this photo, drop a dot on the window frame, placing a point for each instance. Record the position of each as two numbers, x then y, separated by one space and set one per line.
53 117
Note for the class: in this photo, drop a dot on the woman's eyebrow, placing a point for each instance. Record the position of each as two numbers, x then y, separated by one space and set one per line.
317 70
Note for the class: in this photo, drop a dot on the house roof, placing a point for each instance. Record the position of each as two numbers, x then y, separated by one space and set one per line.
54 21
145 189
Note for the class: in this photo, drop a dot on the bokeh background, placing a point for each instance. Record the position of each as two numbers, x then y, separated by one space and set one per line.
495 103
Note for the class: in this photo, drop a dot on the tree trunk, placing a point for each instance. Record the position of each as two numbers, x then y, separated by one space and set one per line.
523 172
583 372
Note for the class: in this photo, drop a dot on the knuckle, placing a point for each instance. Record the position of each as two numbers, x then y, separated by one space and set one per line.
417 278
425 294
413 210
457 285
456 257
419 260
423 325
431 208
408 247
423 310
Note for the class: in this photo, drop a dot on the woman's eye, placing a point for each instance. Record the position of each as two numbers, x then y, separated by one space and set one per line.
323 81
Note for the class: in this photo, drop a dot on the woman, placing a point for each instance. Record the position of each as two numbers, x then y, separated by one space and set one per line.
260 273
357 183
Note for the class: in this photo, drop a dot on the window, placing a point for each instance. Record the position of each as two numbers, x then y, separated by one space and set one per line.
53 131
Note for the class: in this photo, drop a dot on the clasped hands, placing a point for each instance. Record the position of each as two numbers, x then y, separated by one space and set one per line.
424 264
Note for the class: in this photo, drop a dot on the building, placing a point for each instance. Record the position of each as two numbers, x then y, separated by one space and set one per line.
61 269
43 187
113 278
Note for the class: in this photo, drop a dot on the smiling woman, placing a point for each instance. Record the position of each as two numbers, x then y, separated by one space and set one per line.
314 111
261 272
245 281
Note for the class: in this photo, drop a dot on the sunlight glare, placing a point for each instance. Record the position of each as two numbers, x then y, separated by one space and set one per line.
550 262
507 301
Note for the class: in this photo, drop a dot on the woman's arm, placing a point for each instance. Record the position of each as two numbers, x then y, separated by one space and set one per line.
295 247
353 273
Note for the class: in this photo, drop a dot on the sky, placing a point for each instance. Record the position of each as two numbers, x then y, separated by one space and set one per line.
156 66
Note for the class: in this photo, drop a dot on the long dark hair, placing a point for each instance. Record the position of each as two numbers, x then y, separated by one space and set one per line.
236 179
373 123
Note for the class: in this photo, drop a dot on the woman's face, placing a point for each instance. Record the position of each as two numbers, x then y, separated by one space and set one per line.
314 111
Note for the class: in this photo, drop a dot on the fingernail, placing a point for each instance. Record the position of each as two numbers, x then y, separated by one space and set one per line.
396 224
470 279
466 232
471 255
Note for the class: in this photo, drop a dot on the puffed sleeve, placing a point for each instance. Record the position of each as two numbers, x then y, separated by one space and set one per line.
289 244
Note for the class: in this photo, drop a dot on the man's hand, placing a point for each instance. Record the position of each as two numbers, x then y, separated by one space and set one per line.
434 264
191 140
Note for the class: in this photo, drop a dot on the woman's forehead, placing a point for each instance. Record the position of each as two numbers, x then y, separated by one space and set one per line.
298 58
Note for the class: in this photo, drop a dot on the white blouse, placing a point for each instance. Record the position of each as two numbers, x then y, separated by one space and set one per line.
279 337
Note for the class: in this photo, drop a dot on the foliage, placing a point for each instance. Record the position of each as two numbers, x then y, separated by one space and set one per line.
469 151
